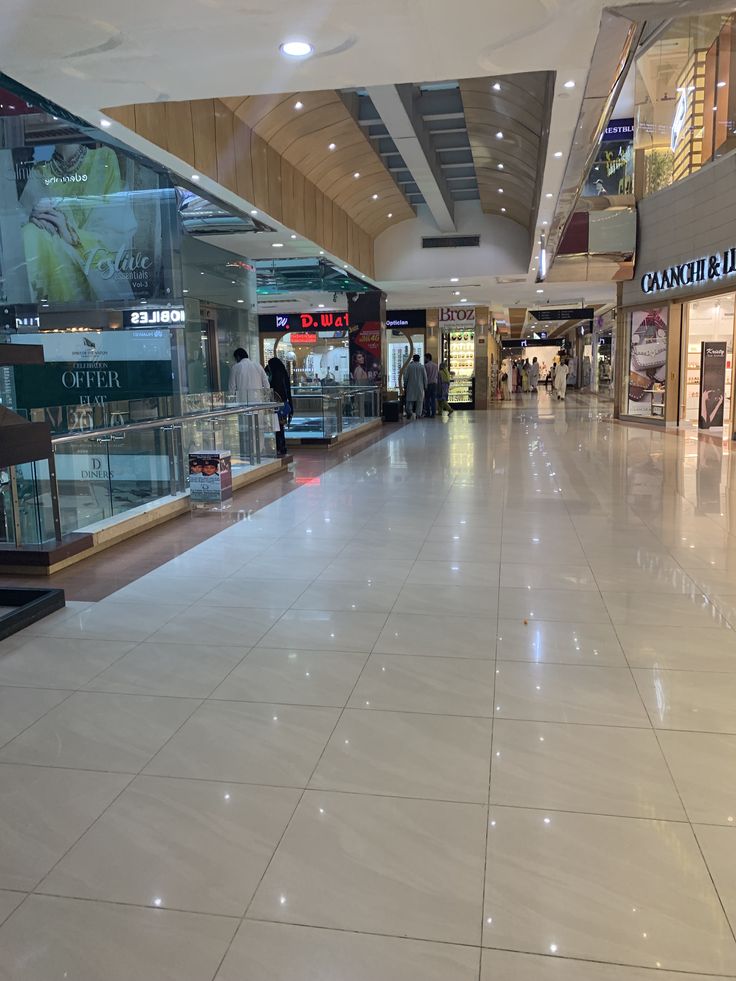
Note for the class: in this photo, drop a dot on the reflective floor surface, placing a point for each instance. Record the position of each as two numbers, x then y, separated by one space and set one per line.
461 708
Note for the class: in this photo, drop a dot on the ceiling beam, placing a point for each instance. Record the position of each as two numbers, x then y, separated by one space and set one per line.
399 111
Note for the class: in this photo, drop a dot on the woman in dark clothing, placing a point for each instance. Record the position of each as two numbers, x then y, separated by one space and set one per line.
281 384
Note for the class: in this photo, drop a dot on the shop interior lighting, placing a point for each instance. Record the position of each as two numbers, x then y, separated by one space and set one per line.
298 104
374 196
499 135
332 146
390 214
500 166
569 84
356 175
496 86
296 49
105 123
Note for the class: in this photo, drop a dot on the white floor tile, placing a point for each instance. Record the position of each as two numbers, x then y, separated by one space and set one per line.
322 630
363 597
615 889
53 662
555 641
417 873
21 707
457 601
552 604
700 763
703 701
411 633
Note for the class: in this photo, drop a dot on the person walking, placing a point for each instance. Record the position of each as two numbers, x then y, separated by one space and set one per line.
415 384
534 376
281 384
561 379
505 391
247 379
525 377
433 378
444 388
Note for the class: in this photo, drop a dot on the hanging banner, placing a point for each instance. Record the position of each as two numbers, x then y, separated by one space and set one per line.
365 353
712 384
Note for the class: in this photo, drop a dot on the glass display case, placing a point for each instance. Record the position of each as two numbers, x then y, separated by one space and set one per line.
458 350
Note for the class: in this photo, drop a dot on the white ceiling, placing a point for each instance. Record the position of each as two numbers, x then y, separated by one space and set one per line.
86 57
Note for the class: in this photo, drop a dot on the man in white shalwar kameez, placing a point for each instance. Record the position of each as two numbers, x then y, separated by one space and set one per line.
561 380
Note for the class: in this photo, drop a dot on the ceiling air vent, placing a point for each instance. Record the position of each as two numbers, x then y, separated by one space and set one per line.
452 242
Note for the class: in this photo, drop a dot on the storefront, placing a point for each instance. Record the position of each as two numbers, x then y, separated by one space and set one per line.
676 319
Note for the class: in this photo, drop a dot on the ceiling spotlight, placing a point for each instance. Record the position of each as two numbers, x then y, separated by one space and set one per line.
321 306
558 153
500 190
454 279
456 292
277 245
499 135
195 177
464 300
503 211
332 146
254 212
293 236
374 196
500 166
545 223
241 301
570 84
496 86
321 252
540 291
721 85
390 214
296 49
105 123
298 105
356 175
548 194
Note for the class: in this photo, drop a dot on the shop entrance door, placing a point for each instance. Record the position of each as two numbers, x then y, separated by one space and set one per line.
710 319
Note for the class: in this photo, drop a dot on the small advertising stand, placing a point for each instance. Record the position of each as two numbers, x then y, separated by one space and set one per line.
712 384
210 478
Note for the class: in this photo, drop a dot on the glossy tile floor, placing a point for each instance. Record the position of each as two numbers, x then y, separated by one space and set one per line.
463 708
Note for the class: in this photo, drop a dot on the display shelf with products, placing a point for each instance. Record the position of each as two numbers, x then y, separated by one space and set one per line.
458 347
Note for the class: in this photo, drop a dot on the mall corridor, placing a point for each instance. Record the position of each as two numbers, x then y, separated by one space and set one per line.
464 706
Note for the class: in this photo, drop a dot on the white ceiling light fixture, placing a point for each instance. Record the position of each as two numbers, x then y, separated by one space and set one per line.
503 211
374 197
254 212
241 301
293 236
500 190
356 175
195 177
321 306
464 300
298 104
721 85
499 135
500 166
454 279
548 194
332 146
277 245
558 153
569 84
105 123
540 291
296 49
545 223
390 214
496 86
456 292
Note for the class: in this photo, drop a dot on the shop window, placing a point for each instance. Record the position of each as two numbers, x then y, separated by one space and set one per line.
648 336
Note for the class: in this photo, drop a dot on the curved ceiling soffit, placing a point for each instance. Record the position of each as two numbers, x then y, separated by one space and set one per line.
303 137
513 162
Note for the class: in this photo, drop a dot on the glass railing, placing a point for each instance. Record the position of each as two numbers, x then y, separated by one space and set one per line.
108 472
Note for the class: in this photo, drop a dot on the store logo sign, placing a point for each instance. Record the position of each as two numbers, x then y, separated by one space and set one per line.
457 315
164 316
706 270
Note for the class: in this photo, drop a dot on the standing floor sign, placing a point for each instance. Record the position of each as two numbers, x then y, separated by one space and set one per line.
712 384
210 477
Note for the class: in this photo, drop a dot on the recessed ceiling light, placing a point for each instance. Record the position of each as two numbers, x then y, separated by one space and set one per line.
496 86
356 175
344 267
277 245
454 279
503 210
254 212
499 135
500 190
540 291
500 166
558 153
321 306
185 291
296 49
569 84
293 236
548 194
545 222
105 123
456 292
321 252
195 177
390 214
241 301
374 196
298 104
464 300
721 85
332 146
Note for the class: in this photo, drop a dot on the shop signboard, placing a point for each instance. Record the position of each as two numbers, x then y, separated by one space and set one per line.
693 272
321 320
118 466
647 360
403 319
93 367
154 317
451 317
210 476
712 384
561 314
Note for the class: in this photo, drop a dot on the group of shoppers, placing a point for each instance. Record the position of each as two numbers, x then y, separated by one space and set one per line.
524 376
426 387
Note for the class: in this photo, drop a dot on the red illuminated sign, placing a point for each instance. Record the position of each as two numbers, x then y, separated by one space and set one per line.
302 338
